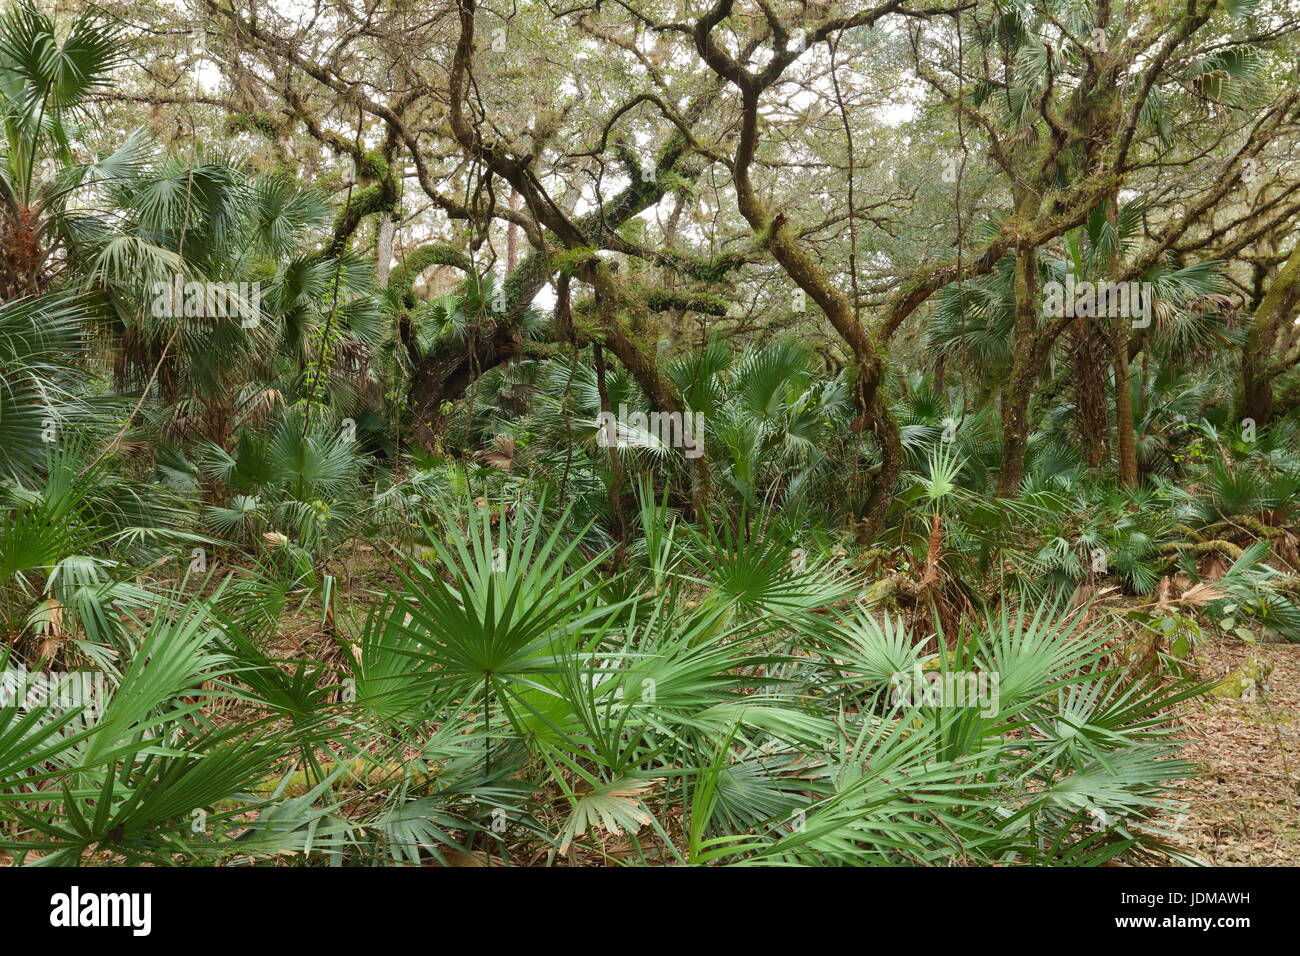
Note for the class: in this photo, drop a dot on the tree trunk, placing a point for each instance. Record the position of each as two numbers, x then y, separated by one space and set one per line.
1125 431
616 489
1019 388
1088 350
642 365
384 250
1125 434
444 376
512 235
1259 365
885 428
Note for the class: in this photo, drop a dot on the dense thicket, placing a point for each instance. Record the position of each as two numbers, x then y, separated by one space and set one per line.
576 433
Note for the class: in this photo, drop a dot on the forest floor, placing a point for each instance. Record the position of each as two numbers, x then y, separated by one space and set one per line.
1244 810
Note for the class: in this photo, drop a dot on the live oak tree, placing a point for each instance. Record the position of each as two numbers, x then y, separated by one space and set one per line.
701 165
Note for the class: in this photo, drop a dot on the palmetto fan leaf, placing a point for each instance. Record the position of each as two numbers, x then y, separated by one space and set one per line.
516 598
116 256
697 376
868 649
237 520
615 807
133 773
58 75
758 571
204 201
862 817
41 340
315 461
113 171
973 320
1231 77
281 214
43 83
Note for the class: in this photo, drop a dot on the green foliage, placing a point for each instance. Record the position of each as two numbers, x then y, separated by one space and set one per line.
362 583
